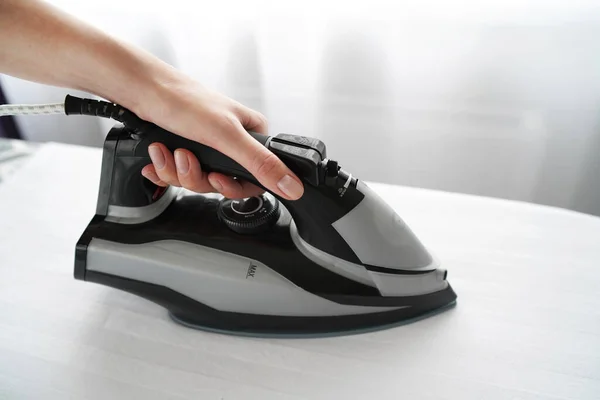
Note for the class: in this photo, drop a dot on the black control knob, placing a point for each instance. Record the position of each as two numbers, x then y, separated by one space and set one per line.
250 215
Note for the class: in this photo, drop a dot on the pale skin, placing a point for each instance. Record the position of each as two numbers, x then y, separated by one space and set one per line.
41 43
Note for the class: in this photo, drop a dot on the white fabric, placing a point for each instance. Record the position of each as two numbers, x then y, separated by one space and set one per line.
527 323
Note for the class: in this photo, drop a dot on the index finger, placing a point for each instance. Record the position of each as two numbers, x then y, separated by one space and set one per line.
265 166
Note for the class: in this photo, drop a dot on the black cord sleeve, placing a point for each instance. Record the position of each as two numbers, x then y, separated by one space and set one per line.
78 106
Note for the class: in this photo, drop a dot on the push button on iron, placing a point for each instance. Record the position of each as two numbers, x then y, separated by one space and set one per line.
302 161
303 141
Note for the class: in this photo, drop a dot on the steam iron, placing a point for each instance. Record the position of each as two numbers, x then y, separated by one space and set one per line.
337 261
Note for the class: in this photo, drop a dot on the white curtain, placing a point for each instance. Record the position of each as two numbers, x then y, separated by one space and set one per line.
494 98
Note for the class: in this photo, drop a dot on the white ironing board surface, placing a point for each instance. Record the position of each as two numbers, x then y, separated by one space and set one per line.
526 326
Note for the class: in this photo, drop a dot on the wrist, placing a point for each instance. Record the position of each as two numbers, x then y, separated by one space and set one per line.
155 93
132 78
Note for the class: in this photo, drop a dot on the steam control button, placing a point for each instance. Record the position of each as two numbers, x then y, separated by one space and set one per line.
302 141
302 161
247 206
251 215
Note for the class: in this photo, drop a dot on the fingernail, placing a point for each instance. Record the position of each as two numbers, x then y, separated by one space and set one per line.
157 157
181 162
290 187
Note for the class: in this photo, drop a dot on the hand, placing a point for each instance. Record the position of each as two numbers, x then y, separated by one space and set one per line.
192 111
41 43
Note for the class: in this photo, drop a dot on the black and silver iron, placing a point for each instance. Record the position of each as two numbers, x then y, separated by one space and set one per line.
338 260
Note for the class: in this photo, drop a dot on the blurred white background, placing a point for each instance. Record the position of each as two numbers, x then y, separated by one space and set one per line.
494 98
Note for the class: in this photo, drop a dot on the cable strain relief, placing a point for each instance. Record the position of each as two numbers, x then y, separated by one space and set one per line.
72 105
78 106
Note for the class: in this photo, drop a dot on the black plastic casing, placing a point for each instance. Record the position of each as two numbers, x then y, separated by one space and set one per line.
126 153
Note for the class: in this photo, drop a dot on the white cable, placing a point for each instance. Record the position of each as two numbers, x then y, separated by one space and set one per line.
31 109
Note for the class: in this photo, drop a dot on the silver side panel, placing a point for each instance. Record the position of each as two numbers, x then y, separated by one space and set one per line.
221 280
379 237
388 284
138 215
409 285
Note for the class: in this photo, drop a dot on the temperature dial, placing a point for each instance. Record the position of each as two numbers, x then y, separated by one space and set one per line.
250 215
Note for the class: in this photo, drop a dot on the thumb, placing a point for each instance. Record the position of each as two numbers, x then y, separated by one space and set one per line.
266 167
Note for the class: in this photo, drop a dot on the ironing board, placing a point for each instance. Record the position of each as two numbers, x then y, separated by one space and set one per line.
13 153
527 323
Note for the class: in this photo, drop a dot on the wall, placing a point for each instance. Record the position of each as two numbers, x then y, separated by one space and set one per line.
491 98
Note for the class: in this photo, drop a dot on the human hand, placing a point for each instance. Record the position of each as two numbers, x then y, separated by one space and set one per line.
188 109
43 44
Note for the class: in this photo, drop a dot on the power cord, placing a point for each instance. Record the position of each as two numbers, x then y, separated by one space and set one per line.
31 109
78 106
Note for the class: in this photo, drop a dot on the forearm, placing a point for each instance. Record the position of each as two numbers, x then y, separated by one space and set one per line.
40 43
43 44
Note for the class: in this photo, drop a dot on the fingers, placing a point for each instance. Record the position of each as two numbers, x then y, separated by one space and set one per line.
180 169
235 142
149 173
258 160
164 164
269 170
190 174
183 169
